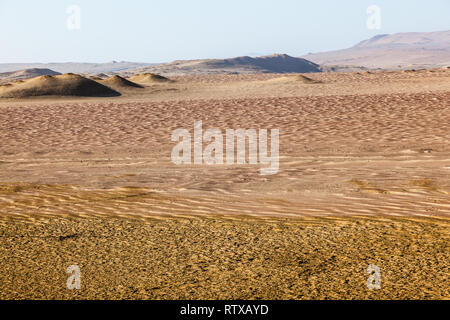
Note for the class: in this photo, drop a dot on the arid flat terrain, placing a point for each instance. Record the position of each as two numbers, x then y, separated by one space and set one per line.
364 178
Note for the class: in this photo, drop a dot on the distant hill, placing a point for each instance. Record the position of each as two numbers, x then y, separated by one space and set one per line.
278 63
27 73
78 67
400 50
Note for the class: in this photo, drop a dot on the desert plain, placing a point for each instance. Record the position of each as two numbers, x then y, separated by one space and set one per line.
364 179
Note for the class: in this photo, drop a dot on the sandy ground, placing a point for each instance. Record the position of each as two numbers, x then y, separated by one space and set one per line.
224 257
364 179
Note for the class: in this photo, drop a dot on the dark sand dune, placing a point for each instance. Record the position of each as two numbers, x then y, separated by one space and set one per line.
59 85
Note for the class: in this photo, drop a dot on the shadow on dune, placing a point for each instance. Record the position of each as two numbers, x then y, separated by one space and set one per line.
58 85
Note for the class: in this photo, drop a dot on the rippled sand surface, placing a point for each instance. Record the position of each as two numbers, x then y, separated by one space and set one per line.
364 179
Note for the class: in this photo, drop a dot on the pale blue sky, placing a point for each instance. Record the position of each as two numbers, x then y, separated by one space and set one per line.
165 30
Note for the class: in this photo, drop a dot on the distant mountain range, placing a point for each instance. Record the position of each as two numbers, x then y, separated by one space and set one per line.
400 50
277 63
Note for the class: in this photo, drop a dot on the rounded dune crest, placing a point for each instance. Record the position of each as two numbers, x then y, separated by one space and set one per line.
149 78
68 84
119 82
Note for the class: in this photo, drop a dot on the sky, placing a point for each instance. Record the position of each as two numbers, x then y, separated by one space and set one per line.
167 30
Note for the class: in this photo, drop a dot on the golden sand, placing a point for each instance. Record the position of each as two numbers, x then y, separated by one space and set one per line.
223 257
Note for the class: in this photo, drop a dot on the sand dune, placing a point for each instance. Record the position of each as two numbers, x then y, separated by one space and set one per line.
149 78
295 79
117 82
59 85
